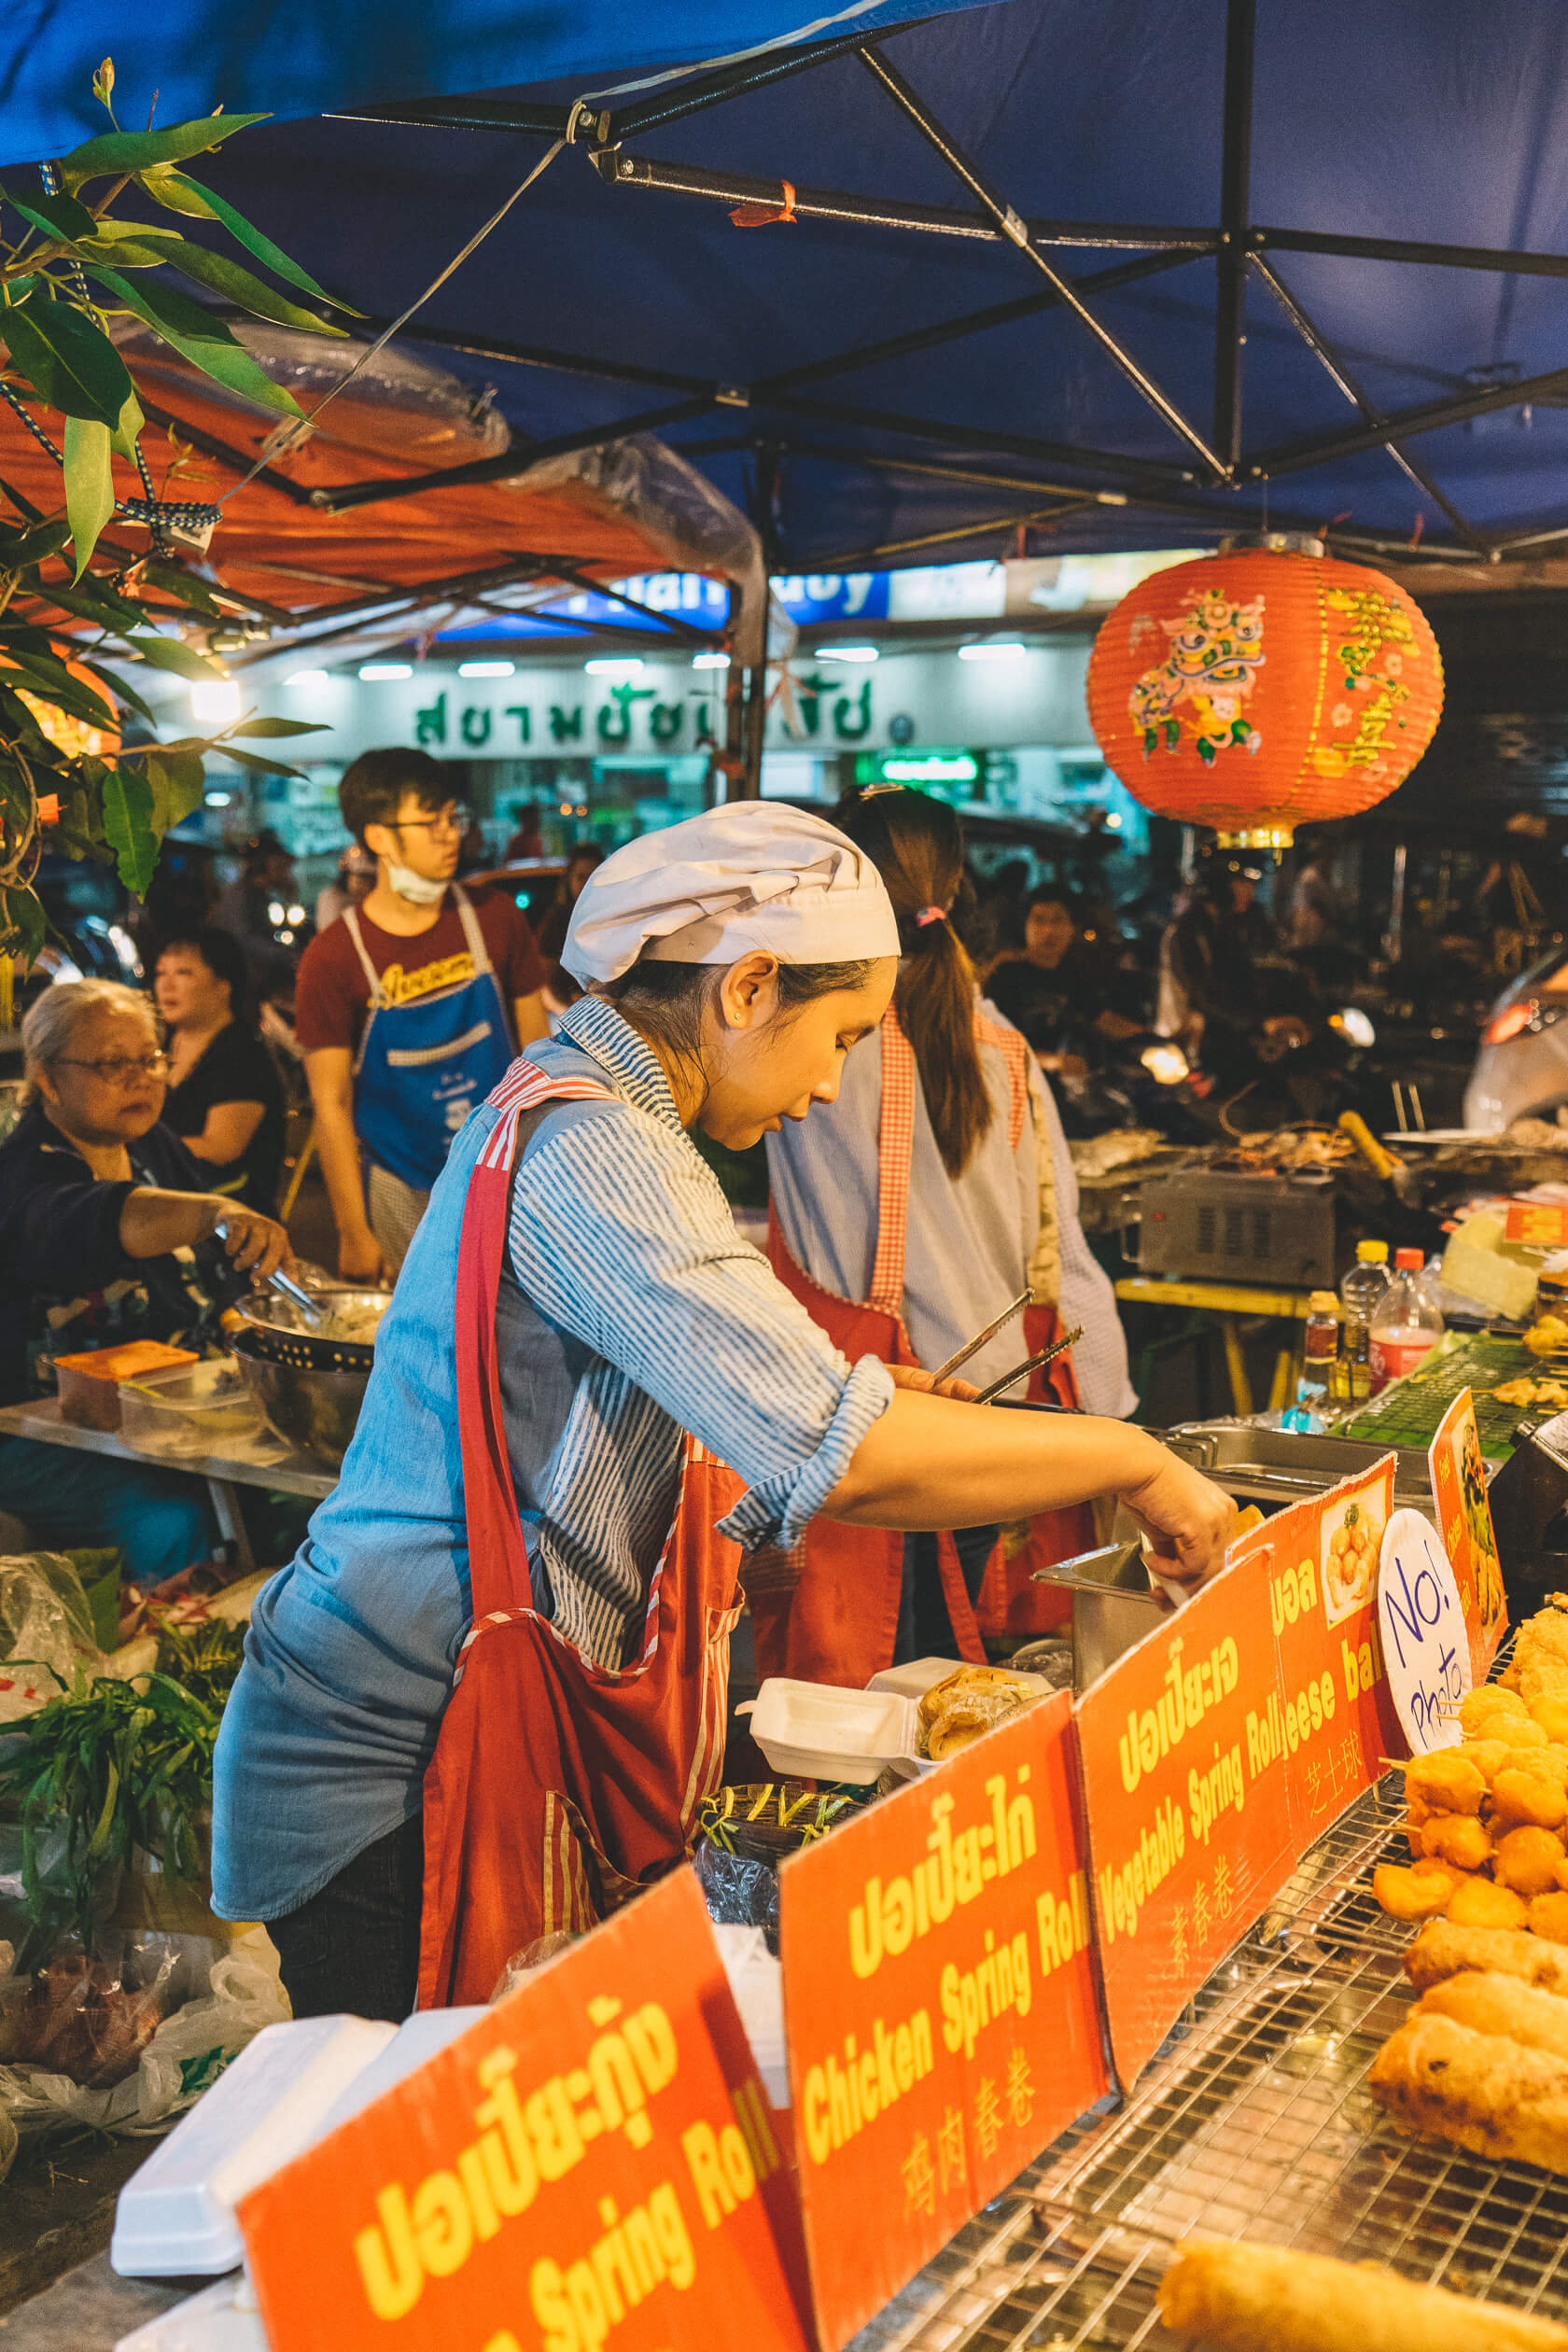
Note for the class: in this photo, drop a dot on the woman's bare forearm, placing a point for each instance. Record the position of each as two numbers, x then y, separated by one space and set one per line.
930 1462
153 1222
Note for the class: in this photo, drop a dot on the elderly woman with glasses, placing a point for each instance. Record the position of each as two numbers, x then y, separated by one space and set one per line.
101 1210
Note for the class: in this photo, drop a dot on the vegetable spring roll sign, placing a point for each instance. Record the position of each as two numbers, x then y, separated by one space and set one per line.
1218 1749
593 2164
940 2007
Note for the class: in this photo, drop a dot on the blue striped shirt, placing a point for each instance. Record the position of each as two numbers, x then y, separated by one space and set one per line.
630 1312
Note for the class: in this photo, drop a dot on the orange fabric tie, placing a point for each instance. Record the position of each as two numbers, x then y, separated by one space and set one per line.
759 216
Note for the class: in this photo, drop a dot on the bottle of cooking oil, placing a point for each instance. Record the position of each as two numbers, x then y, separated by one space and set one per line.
1320 1353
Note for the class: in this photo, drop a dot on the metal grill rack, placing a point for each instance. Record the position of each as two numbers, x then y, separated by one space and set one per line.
1253 2122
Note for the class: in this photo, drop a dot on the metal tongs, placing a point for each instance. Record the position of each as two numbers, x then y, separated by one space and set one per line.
1031 1363
997 1323
286 1286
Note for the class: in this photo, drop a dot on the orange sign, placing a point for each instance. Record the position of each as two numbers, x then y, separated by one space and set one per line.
593 2164
1334 1711
1537 1223
1459 1489
1183 1742
939 1997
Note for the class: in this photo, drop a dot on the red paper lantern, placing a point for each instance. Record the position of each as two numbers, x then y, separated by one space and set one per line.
1264 688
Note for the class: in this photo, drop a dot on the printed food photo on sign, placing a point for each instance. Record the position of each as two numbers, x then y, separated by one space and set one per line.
1352 1539
1463 1513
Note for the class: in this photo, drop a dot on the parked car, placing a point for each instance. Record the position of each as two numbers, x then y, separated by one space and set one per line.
1521 1069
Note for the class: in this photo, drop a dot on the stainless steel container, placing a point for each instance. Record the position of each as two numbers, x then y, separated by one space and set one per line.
317 1412
1283 1465
1112 1606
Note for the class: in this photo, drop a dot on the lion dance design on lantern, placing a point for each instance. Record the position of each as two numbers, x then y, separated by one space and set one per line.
1215 654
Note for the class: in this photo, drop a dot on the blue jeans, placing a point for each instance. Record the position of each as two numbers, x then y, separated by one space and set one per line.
161 1519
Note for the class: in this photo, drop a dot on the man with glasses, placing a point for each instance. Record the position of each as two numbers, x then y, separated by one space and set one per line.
405 1007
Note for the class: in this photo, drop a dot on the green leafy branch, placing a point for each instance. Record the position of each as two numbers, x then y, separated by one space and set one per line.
70 271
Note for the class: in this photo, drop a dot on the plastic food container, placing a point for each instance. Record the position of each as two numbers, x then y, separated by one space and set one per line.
88 1393
199 1403
817 1731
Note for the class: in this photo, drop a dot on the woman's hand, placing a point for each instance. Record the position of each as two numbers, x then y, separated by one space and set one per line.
361 1259
257 1245
1188 1519
910 1376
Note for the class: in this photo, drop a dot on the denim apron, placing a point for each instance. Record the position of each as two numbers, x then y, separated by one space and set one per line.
421 1067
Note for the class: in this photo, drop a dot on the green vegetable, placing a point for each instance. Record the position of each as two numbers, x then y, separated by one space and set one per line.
203 1659
117 1766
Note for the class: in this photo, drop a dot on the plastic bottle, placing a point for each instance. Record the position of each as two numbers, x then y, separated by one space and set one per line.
1359 1293
1319 1352
1406 1321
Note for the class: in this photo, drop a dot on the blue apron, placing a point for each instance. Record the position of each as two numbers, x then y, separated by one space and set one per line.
421 1067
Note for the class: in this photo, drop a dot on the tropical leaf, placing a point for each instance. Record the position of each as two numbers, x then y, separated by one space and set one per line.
116 153
23 505
182 194
258 761
59 217
94 600
131 423
243 290
128 827
89 499
126 693
20 547
69 362
22 918
200 338
177 784
102 82
52 682
172 654
278 727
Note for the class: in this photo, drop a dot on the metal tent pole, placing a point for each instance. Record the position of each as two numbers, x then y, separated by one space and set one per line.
1236 168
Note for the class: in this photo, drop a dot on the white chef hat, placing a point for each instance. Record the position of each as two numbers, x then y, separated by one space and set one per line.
752 873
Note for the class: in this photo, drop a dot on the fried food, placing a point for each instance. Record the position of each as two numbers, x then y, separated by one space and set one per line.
1269 2299
1479 1711
1530 1860
1501 2004
1551 1713
1548 1917
1522 1797
1481 2091
1416 1894
957 1710
1446 1780
1538 1668
1480 1902
1456 1838
1443 1950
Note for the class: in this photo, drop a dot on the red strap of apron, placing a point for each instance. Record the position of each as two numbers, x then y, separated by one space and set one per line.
497 1556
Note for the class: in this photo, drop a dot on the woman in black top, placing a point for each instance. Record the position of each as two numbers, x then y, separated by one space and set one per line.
225 1100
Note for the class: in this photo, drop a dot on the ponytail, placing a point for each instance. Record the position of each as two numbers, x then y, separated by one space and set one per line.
916 846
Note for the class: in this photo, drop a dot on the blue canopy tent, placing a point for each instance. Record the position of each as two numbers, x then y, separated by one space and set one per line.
1026 274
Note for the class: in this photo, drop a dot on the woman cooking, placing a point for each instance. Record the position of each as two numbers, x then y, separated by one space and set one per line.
933 1192
536 1536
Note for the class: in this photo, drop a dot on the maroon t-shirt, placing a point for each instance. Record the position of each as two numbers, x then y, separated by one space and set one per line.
332 993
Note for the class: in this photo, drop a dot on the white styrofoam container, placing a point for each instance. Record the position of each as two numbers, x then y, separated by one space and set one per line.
817 1731
221 2318
419 2037
175 2216
913 1680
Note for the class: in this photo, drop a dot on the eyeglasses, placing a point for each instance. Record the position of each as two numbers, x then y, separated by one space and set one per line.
457 819
120 1069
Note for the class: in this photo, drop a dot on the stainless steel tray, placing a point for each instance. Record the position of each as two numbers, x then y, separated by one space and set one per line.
1282 1466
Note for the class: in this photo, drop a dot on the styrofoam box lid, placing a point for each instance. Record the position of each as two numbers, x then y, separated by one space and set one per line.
175 2216
824 1732
221 2318
920 1675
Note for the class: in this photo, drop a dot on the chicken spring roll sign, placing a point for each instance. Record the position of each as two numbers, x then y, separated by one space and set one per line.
940 2006
1218 1749
593 2164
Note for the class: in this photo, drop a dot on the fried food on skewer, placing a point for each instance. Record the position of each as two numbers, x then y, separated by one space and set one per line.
1501 2004
1442 1949
1481 2091
1538 1668
1519 1795
1412 1893
1447 1780
1458 1838
1530 1860
1270 2299
1548 1917
1480 1902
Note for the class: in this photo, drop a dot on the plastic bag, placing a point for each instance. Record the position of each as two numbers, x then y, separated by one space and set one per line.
739 1891
46 1631
522 1964
125 2041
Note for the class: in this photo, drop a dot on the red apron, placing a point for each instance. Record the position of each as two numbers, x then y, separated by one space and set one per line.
559 1786
840 1622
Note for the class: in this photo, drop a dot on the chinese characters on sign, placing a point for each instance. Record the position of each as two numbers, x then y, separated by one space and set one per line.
940 2006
